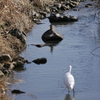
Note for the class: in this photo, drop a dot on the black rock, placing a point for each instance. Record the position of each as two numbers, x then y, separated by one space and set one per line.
17 91
61 18
40 61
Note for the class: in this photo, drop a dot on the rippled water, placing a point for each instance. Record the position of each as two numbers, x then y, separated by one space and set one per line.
45 81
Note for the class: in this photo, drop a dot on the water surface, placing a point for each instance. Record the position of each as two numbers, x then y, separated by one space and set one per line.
45 81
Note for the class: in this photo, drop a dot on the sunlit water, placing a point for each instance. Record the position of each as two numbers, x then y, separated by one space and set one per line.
45 81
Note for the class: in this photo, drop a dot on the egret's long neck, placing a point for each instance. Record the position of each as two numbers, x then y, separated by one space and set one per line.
70 68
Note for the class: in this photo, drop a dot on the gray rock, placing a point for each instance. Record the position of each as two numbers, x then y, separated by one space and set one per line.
57 5
54 9
5 58
19 34
2 76
42 13
61 18
9 65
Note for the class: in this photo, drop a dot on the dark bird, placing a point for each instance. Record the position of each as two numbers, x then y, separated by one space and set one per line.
51 36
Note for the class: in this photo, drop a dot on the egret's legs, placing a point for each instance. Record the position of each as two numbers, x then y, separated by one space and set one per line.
68 91
73 92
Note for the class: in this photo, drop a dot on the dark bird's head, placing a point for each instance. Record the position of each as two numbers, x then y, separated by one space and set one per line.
51 27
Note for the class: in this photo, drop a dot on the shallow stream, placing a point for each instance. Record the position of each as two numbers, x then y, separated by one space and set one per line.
45 81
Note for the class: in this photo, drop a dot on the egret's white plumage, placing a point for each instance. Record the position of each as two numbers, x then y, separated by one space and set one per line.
69 80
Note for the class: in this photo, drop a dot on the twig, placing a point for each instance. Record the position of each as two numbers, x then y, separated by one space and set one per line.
94 50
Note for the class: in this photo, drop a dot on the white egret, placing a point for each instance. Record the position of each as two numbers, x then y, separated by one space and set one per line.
69 80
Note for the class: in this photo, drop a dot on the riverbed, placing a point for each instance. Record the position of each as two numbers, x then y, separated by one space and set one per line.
78 48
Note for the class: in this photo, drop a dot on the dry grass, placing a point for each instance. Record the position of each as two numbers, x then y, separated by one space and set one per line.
41 3
18 13
10 45
13 14
4 90
4 46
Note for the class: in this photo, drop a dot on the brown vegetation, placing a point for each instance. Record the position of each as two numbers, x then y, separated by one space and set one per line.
13 14
42 3
16 14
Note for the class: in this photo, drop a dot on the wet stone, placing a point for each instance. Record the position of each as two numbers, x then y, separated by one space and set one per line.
40 61
16 91
5 58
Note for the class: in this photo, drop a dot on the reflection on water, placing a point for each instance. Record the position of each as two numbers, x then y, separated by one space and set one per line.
62 23
20 69
68 97
51 45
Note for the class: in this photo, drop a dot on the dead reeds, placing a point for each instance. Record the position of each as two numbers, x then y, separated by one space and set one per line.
13 14
41 3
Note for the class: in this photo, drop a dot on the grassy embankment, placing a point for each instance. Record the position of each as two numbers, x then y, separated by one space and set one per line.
16 14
